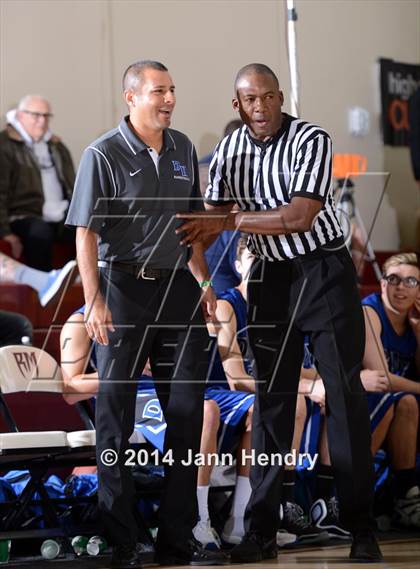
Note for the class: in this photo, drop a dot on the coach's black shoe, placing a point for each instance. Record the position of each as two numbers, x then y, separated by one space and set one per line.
195 554
365 548
125 556
254 547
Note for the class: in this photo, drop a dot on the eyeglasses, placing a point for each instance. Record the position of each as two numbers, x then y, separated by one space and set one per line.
395 280
38 116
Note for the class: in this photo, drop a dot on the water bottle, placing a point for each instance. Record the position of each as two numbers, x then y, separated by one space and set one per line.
79 544
4 551
96 545
50 549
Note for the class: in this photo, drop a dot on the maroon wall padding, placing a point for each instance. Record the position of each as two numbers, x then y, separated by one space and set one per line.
42 412
369 277
23 299
19 298
367 289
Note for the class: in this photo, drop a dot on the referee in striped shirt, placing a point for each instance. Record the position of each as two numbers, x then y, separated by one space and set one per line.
272 179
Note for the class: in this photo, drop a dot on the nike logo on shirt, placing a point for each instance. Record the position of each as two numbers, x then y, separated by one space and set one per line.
136 172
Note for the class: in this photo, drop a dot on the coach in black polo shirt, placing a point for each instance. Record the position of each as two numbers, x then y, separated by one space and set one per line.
277 170
142 301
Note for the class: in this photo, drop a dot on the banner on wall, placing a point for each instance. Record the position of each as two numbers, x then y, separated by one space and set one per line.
398 83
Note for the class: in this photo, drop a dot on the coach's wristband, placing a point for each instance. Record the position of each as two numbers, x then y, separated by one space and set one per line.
205 283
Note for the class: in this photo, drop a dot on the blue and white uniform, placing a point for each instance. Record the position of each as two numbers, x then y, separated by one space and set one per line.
400 355
233 405
312 429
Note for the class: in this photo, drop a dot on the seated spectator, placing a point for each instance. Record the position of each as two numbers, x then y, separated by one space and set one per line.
49 285
393 348
36 182
14 329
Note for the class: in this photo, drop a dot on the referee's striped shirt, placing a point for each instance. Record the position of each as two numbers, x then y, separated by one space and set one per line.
260 176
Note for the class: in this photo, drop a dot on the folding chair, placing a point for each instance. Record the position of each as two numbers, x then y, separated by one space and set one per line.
25 369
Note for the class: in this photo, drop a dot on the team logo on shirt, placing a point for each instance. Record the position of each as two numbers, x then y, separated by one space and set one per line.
180 171
153 410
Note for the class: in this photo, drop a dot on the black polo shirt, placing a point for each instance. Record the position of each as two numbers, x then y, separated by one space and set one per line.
130 202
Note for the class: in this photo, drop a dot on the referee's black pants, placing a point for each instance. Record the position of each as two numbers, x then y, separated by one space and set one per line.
160 319
315 296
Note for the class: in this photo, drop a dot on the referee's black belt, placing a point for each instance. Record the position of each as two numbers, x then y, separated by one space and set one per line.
137 270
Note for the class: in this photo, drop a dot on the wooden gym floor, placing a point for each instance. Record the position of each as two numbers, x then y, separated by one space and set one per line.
398 554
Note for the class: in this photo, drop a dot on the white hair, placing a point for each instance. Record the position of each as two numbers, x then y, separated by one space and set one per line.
24 101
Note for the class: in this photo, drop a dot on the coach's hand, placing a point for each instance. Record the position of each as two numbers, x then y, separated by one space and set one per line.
208 303
99 321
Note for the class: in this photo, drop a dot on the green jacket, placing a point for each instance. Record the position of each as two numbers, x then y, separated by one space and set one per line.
20 177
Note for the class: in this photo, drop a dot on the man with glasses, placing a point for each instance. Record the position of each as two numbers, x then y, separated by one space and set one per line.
36 181
392 320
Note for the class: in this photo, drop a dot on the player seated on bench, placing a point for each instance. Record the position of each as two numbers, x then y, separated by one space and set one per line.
392 320
391 379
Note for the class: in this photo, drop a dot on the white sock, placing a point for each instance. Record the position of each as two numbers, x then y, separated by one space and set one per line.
235 523
241 496
203 502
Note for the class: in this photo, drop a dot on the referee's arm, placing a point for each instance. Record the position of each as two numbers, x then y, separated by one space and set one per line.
308 188
296 217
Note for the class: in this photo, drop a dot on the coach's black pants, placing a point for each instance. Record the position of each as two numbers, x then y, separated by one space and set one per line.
314 296
162 320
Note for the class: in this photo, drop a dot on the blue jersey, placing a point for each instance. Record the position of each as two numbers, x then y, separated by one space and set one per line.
216 372
399 350
220 257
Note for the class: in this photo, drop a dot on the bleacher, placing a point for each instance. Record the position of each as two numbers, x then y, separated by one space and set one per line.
47 323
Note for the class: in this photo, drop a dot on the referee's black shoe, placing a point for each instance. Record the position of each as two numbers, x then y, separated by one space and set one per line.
365 548
254 547
195 554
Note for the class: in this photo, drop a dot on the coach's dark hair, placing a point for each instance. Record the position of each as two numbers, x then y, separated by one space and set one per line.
257 68
134 72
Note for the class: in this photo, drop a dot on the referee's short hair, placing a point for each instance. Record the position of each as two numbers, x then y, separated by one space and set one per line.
257 69
134 72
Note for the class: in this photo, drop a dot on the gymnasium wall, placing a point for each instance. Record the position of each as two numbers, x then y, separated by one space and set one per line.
74 52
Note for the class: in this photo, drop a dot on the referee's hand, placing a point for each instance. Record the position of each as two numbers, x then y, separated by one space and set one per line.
99 321
199 226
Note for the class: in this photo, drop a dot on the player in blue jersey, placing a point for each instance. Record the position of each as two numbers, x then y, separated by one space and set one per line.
393 347
229 403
